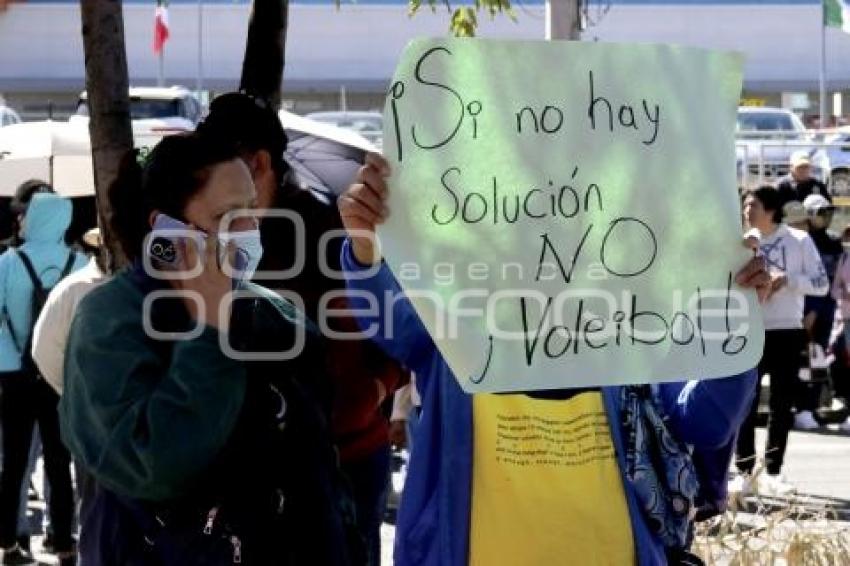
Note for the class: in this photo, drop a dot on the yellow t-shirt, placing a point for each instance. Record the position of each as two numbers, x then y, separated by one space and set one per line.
546 487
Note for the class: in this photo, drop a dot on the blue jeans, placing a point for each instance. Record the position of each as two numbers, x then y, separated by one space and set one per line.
369 477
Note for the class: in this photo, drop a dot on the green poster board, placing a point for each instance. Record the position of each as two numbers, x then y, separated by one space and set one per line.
565 214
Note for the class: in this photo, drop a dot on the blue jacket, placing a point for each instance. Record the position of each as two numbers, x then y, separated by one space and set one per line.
45 223
433 521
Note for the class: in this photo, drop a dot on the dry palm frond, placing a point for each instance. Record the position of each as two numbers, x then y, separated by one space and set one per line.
764 531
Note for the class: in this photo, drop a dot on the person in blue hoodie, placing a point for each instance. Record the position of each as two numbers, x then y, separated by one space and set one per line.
26 398
466 498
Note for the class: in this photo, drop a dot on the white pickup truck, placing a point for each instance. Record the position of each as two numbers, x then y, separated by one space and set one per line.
765 139
155 112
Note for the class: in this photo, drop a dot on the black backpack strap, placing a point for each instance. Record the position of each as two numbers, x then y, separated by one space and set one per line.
36 283
8 320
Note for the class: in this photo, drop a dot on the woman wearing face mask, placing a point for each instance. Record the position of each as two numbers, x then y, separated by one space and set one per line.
200 457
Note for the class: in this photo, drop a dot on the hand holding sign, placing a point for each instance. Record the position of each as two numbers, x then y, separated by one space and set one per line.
755 275
577 232
363 206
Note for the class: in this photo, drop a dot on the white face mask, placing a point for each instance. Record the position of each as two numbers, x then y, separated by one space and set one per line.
250 244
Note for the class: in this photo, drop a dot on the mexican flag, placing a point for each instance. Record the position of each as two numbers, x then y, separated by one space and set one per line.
836 13
160 26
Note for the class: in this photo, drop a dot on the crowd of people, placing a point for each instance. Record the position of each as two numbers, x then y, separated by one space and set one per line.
191 444
804 347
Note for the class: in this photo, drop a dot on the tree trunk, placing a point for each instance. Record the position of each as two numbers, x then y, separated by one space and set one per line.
563 19
107 84
265 49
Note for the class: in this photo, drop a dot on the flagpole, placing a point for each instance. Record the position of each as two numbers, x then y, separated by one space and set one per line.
160 78
823 117
200 83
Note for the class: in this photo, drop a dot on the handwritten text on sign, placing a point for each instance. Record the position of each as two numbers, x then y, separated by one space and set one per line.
565 214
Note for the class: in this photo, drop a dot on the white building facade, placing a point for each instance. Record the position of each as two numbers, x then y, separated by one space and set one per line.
354 49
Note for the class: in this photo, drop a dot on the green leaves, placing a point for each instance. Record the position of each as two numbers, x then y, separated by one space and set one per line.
142 155
464 20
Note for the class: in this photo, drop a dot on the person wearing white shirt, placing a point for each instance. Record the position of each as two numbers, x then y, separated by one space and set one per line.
50 338
50 334
796 271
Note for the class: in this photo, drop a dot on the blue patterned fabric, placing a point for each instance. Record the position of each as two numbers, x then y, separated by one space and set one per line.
659 467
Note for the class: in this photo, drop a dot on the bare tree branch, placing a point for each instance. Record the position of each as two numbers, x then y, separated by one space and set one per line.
265 48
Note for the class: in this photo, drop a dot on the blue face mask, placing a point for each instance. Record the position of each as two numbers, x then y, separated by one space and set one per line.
249 251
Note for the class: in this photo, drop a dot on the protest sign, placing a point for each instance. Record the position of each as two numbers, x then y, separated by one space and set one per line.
565 214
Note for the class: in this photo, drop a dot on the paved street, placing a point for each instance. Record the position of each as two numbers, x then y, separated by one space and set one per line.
818 463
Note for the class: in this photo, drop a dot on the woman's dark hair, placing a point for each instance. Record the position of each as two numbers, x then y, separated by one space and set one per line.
250 123
25 192
770 200
173 172
18 206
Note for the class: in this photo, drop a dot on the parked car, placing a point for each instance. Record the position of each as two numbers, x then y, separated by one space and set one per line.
370 125
8 116
766 138
838 162
155 111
